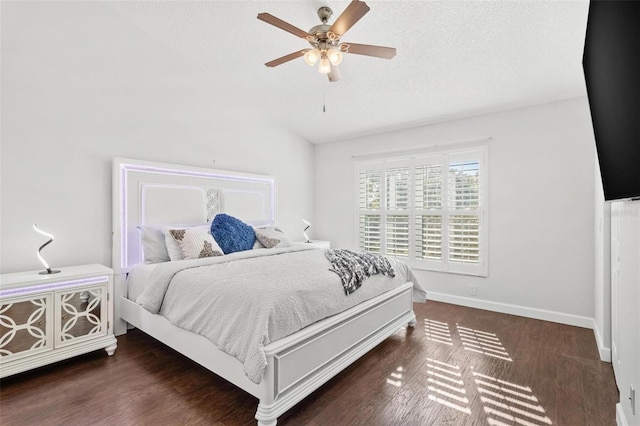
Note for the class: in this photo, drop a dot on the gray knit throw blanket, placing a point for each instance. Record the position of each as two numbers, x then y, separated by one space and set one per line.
354 267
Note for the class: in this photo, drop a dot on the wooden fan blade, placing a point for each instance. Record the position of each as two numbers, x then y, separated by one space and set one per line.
370 50
334 74
277 22
286 58
351 15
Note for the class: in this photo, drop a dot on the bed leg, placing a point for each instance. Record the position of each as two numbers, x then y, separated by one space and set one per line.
265 415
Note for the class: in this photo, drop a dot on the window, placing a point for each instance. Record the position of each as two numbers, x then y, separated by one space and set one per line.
428 209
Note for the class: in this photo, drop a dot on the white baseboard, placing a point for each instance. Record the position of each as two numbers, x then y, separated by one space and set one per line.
507 308
621 419
604 351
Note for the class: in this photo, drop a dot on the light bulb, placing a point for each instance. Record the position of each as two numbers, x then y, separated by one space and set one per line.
335 56
325 66
311 56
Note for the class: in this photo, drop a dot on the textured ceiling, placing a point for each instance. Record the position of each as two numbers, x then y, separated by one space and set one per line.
454 58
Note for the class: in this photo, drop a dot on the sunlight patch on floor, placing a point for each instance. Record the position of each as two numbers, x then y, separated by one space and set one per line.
437 331
395 378
504 401
482 342
445 385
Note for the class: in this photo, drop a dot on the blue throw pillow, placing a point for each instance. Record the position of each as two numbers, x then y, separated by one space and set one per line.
232 234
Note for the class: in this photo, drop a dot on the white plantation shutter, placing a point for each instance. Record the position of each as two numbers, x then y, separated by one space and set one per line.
464 185
464 239
370 233
397 188
397 195
464 198
464 194
397 235
428 189
370 189
429 210
428 237
369 182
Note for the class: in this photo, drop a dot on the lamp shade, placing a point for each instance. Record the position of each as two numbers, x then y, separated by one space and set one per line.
311 56
334 56
325 66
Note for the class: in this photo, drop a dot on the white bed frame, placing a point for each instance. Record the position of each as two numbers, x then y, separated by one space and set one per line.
157 193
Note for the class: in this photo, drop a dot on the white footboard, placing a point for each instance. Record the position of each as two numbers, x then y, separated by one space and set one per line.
300 363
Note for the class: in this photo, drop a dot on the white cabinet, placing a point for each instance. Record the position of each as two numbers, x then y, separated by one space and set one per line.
47 318
625 307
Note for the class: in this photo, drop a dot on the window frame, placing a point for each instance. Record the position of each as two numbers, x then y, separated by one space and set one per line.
444 158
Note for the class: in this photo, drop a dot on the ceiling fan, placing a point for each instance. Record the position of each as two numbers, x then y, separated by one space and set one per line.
327 48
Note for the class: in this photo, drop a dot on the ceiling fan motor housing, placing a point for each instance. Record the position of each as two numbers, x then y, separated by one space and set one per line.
324 13
322 38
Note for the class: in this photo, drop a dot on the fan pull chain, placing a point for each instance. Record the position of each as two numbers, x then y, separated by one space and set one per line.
324 96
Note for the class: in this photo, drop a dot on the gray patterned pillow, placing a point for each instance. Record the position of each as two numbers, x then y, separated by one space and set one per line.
196 243
173 246
272 237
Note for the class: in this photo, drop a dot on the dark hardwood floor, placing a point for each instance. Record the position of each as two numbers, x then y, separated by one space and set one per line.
458 366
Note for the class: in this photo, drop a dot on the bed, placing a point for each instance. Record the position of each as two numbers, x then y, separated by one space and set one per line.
288 365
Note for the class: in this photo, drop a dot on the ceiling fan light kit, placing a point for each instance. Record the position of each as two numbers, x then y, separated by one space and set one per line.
335 56
325 66
327 49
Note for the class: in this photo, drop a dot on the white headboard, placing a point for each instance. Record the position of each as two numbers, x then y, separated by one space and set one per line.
148 193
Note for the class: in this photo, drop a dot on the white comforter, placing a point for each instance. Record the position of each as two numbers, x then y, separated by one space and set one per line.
244 301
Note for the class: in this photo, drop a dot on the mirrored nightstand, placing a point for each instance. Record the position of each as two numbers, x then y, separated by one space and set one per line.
48 318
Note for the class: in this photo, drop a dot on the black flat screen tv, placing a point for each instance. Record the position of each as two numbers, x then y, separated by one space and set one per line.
611 64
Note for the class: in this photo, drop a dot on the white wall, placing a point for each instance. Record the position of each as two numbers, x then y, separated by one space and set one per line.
541 172
602 269
81 85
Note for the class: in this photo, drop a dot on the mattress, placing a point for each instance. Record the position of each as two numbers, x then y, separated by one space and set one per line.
139 278
244 301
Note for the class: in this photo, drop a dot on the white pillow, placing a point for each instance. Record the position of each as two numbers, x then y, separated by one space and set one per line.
173 246
154 248
272 237
196 243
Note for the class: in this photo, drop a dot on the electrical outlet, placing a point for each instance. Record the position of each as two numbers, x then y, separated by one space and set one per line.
632 399
473 289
